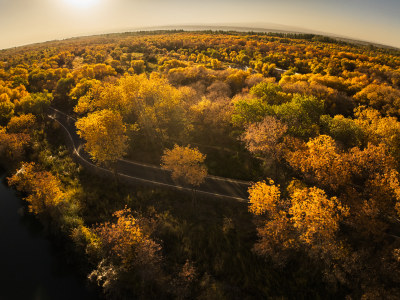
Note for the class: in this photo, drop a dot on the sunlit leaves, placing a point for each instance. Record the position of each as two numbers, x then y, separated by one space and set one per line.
105 136
120 238
124 248
315 215
264 198
21 124
378 129
382 97
43 188
322 161
185 164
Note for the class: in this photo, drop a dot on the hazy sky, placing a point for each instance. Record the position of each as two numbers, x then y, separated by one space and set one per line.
28 21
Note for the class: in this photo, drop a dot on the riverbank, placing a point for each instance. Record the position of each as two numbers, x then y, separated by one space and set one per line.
32 267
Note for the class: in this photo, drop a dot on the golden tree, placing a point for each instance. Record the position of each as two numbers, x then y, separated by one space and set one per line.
380 96
322 162
105 135
316 216
264 198
378 129
275 230
21 124
6 108
12 145
43 188
123 247
185 164
309 219
120 238
378 190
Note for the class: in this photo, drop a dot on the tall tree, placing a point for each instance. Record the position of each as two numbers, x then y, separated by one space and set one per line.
185 164
321 162
266 139
316 216
105 135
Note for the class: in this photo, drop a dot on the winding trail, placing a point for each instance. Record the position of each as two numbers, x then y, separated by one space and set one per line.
142 173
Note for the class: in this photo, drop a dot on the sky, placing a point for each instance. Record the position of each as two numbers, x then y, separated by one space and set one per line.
29 21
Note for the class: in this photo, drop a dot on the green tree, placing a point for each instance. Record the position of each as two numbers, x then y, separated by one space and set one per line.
270 93
301 115
36 104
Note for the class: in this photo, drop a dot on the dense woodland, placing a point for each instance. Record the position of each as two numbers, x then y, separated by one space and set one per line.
313 123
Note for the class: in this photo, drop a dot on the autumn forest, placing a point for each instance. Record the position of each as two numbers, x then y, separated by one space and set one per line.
306 126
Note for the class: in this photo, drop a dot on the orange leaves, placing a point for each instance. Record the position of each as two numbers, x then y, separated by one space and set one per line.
125 245
366 179
12 145
276 232
382 97
185 163
309 218
378 129
322 161
316 216
264 198
43 188
120 238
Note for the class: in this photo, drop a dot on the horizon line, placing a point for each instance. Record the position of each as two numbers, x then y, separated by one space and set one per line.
236 27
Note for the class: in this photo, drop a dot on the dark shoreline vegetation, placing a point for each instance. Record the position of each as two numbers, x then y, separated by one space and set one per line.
311 121
46 267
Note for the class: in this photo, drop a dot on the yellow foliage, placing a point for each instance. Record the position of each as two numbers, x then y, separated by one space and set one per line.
122 237
12 145
185 163
322 160
22 123
315 215
380 129
264 198
105 136
43 188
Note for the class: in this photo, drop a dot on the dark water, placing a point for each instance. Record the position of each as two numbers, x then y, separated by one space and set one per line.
29 265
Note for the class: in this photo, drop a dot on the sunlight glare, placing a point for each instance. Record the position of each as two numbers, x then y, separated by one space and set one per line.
81 3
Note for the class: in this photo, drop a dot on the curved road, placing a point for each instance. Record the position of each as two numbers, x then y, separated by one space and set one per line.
150 174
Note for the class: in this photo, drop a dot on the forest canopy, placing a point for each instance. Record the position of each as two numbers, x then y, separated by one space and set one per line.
310 124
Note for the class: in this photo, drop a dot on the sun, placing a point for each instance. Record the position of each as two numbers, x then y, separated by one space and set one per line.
82 3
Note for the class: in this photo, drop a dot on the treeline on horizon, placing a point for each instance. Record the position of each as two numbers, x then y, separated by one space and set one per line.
313 123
